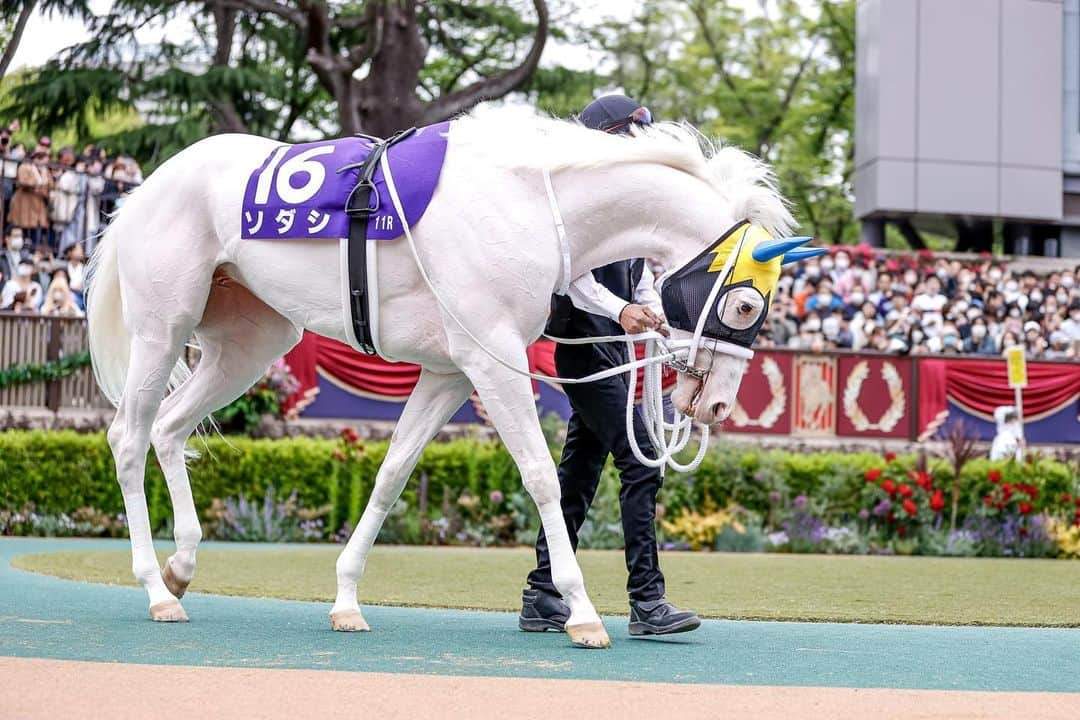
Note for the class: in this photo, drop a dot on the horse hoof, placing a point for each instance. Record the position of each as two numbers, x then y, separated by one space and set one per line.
349 621
168 611
176 586
589 635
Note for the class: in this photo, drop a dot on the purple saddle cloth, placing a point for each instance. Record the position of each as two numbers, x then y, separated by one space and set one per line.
298 192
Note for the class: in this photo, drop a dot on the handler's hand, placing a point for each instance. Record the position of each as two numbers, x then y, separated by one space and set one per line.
638 319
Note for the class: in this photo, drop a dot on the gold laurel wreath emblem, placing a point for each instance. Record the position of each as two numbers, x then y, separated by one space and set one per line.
853 389
777 402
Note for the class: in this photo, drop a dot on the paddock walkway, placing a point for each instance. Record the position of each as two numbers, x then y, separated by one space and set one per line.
254 657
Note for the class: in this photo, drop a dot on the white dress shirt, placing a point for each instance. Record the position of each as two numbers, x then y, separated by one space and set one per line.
588 294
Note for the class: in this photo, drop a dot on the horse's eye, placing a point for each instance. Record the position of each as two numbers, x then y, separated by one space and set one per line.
745 308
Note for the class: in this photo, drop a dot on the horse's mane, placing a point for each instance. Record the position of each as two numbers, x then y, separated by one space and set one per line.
516 136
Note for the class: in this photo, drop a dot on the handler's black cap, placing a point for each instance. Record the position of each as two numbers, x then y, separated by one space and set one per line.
614 113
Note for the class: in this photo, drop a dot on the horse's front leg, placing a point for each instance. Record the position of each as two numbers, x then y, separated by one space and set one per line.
433 402
508 399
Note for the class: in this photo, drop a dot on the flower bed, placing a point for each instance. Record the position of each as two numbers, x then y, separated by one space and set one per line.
469 492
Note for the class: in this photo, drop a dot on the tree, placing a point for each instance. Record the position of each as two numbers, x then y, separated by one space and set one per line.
284 70
14 14
777 80
388 42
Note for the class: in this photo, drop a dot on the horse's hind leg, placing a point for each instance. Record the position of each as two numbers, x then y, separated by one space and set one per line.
239 336
155 346
433 402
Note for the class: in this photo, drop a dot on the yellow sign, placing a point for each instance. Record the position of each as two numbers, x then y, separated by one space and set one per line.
1017 367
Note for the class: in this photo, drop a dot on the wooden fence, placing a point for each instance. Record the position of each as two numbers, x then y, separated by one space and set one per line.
37 339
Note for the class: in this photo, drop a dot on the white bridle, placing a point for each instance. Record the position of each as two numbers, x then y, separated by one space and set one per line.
669 438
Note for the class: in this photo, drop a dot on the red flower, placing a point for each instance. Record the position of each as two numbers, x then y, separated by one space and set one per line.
1023 532
1078 501
911 474
890 456
888 486
1025 508
1030 459
873 474
892 516
1066 497
1007 489
901 531
937 502
910 507
924 480
994 476
905 491
350 434
988 500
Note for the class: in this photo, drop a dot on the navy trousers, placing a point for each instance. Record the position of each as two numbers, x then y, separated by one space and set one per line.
597 428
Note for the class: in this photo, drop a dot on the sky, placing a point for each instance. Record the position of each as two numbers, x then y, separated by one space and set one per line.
45 36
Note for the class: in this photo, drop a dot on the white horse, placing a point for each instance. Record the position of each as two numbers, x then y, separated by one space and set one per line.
172 266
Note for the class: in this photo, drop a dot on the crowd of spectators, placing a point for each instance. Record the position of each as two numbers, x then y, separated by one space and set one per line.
53 203
917 303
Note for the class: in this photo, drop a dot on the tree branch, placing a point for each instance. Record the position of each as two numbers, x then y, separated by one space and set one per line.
289 14
16 35
497 86
765 137
699 13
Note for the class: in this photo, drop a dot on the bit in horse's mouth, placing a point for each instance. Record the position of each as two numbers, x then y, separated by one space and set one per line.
694 399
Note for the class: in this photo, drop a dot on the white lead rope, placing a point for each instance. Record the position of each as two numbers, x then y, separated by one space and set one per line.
657 352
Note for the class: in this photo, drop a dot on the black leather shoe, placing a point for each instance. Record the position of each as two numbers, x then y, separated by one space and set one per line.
540 611
659 617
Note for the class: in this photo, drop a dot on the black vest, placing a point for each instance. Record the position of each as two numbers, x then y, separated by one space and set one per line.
621 278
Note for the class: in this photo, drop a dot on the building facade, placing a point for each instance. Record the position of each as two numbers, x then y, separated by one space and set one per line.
968 117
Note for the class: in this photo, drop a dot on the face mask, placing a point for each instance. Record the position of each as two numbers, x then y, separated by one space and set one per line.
16 244
917 337
1036 297
857 298
1067 281
685 291
911 279
824 298
1014 313
1062 298
812 326
995 275
842 263
826 265
949 339
1075 315
978 332
813 272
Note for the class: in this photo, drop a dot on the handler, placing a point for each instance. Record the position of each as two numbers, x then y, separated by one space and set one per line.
612 299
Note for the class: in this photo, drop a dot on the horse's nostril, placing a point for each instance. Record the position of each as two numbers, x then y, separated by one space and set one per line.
719 410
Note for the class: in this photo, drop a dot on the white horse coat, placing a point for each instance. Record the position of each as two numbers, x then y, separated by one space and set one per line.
172 265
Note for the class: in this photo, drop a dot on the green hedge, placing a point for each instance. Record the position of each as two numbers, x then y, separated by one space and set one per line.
61 471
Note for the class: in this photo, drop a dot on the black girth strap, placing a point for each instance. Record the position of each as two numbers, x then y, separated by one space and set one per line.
359 208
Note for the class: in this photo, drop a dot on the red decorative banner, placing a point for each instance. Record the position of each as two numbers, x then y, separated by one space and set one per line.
764 401
814 407
875 396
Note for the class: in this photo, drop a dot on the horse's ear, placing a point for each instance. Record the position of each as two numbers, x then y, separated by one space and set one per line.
801 254
771 249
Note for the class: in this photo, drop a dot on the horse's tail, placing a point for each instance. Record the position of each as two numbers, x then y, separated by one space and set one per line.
110 342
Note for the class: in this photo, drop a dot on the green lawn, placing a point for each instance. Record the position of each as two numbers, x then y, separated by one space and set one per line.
746 586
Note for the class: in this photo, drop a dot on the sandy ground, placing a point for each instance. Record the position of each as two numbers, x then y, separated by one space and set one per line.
36 688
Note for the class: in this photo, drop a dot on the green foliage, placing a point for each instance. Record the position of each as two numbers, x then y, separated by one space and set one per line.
55 472
42 372
775 78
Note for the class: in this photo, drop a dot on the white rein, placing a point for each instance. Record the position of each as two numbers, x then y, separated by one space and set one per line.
668 438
